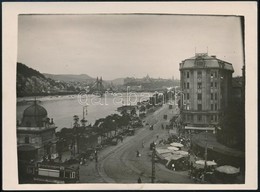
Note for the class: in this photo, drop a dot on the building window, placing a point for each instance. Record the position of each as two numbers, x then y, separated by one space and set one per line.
216 117
199 85
211 84
216 84
188 96
211 96
199 96
188 75
216 96
199 117
188 85
212 107
216 74
184 85
72 174
212 117
199 73
216 106
199 107
26 140
211 75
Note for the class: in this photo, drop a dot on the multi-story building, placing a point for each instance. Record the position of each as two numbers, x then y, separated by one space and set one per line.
35 134
206 85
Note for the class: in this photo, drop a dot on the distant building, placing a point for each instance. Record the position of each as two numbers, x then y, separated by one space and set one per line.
206 88
35 134
237 89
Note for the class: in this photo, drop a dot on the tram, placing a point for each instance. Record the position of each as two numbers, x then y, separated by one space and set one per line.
59 173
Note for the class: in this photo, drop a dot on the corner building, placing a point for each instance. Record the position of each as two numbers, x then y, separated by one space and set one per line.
206 85
35 134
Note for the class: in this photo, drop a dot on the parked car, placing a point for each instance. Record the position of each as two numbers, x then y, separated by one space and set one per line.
130 132
113 141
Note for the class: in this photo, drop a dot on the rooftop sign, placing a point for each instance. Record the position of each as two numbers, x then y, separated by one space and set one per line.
201 54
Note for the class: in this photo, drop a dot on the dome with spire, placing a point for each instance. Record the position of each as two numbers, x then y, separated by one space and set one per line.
34 116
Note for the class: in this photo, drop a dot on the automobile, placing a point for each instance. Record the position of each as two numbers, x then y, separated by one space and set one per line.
113 141
98 147
72 161
131 132
137 124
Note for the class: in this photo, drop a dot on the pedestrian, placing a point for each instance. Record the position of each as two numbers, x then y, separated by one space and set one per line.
139 180
60 157
143 144
96 156
173 167
137 153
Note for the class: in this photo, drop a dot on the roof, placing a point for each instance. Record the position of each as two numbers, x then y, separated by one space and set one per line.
237 82
213 144
205 61
34 115
200 128
35 110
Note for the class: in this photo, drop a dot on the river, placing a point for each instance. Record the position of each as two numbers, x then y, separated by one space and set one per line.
63 108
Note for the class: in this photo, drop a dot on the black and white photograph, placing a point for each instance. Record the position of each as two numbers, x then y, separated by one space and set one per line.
131 98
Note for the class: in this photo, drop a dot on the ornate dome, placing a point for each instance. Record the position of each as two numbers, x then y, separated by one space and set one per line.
35 110
34 116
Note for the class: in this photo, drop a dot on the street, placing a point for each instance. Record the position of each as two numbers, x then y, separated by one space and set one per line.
119 164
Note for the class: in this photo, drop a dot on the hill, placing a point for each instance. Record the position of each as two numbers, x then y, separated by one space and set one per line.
70 77
30 82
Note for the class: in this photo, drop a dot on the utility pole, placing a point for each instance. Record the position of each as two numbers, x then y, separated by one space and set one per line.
153 163
206 153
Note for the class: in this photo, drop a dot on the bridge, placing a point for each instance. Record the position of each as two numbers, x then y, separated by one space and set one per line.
97 88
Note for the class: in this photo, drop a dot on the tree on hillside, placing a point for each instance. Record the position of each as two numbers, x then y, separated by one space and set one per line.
76 121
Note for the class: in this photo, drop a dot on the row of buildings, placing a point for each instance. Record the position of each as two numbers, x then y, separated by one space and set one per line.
206 92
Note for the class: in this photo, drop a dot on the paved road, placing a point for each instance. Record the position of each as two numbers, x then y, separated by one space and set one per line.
119 164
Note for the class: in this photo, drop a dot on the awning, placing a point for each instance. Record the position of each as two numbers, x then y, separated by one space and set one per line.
173 148
228 169
174 144
200 128
174 157
184 153
161 151
209 163
200 164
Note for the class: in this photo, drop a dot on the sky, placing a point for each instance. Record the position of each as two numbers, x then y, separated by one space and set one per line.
115 46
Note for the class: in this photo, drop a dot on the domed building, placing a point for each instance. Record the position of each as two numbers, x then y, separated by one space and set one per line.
35 134
206 85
